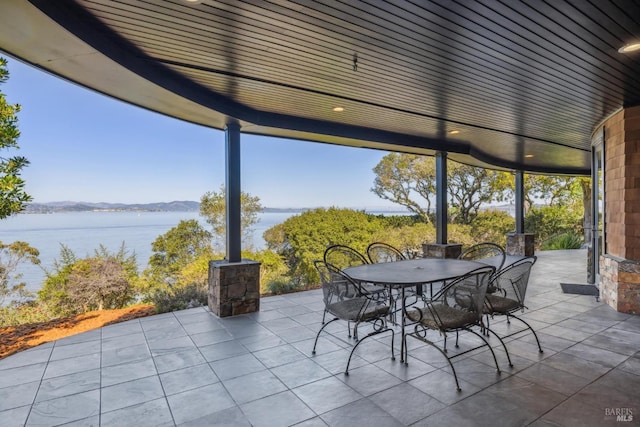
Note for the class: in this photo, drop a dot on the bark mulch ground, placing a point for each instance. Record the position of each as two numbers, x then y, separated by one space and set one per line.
18 338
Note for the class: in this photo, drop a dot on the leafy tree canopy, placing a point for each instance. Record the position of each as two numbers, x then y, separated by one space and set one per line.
104 280
554 190
12 255
410 181
213 209
173 251
303 238
12 194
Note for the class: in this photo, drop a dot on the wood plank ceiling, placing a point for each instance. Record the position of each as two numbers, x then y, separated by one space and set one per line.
514 84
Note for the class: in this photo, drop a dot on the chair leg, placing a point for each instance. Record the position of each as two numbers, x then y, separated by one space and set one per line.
486 327
502 342
403 356
318 335
346 371
532 331
455 376
488 345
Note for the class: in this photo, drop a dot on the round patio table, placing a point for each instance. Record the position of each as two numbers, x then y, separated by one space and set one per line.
412 272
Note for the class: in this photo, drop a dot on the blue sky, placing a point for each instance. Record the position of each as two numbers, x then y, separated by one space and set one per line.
84 146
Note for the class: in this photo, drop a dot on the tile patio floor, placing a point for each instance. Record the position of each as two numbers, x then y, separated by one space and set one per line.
190 368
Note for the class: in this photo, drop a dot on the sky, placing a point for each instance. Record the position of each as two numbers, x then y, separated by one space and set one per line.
85 146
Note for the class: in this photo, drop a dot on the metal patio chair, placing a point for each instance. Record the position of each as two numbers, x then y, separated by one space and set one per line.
383 252
481 251
511 284
346 300
456 307
342 256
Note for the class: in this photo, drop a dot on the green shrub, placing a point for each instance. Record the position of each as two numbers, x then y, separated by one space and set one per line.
188 296
563 241
549 221
282 286
492 226
78 285
20 314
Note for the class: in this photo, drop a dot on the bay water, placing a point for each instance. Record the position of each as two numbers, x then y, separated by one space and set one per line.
83 232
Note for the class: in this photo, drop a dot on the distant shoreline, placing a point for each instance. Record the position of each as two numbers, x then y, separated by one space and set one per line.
175 206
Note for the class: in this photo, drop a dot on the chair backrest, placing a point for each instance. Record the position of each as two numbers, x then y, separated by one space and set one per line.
383 252
513 280
466 293
336 286
485 250
342 256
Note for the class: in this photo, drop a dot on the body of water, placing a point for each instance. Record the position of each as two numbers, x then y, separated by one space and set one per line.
83 232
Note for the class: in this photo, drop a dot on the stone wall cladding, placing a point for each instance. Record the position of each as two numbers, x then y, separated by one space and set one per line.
522 244
234 288
620 283
619 268
622 183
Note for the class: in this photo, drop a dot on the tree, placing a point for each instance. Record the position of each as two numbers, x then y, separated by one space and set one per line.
99 282
566 199
173 252
12 255
213 209
303 238
553 190
12 195
104 280
492 226
410 181
549 221
470 187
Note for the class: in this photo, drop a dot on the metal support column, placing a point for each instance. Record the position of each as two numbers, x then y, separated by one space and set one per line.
232 154
519 202
441 197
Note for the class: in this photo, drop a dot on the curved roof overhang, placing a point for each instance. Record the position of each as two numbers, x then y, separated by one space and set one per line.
509 85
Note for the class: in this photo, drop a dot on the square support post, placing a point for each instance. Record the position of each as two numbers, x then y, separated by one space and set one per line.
441 198
519 202
234 287
233 209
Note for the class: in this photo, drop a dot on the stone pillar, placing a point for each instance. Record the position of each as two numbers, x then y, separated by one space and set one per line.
522 244
441 250
234 287
619 280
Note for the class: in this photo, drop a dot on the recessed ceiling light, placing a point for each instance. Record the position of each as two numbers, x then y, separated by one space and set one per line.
631 47
193 1
454 132
528 156
338 109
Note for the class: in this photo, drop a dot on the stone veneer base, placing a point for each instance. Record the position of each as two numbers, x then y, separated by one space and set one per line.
440 250
620 283
522 244
234 287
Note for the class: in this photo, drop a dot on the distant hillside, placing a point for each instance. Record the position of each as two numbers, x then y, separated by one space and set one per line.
175 206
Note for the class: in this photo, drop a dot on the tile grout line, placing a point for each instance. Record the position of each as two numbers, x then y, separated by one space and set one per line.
153 359
100 390
33 402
